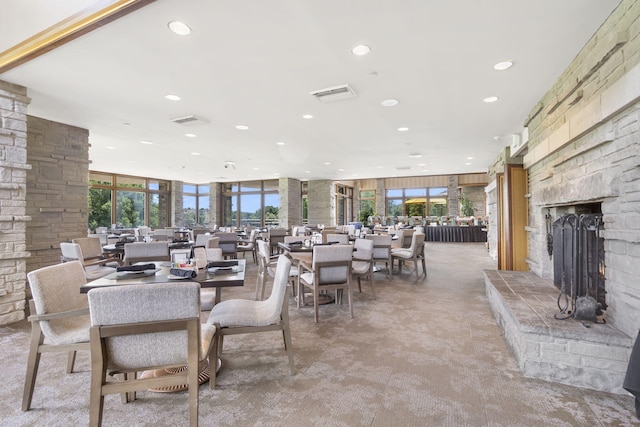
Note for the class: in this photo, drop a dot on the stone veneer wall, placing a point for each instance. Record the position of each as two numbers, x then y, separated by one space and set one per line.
57 188
13 191
584 146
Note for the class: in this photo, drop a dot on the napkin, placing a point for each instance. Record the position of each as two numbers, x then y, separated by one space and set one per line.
140 267
183 273
222 264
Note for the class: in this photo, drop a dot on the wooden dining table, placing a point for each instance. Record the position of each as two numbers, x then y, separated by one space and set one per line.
223 275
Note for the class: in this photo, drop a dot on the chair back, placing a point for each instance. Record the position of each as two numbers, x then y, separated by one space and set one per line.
294 238
71 252
54 289
202 239
417 244
91 246
274 304
228 242
154 303
199 253
363 250
152 251
100 236
213 242
342 239
332 263
381 246
405 236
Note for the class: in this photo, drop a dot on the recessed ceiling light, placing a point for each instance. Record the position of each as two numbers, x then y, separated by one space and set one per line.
255 169
340 170
497 138
307 116
469 158
415 155
327 163
190 135
403 129
501 66
307 171
361 49
468 163
280 143
126 124
389 102
422 164
490 99
110 147
172 97
180 28
195 154
242 127
146 142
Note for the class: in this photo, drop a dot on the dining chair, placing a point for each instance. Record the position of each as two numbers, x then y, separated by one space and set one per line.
163 332
362 265
330 270
381 250
266 268
239 316
342 239
93 253
143 252
276 235
202 239
59 313
404 238
415 254
92 270
250 245
229 244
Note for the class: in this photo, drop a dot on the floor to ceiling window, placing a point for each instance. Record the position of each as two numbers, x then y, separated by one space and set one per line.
195 204
419 202
367 205
255 203
344 204
138 201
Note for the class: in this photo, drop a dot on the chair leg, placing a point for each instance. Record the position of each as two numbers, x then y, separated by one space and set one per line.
286 332
349 294
316 297
33 362
71 360
373 290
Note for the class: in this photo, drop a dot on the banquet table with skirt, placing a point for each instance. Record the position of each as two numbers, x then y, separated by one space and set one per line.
452 233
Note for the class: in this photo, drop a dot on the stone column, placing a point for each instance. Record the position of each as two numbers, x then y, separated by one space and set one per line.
452 197
176 204
322 201
381 197
13 186
290 212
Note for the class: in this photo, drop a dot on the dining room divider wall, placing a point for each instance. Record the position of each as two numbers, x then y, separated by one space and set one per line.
13 186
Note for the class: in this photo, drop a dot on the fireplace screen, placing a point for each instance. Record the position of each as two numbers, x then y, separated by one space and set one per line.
578 260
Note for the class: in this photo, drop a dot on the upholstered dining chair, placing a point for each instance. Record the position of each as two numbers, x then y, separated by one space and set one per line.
238 316
92 271
164 331
414 253
404 238
59 316
276 235
330 270
144 252
342 239
362 264
229 244
381 250
92 252
250 245
266 268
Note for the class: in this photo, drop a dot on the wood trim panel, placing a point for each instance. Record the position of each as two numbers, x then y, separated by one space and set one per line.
83 22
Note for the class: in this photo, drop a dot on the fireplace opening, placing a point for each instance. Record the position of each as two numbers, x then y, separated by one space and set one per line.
578 263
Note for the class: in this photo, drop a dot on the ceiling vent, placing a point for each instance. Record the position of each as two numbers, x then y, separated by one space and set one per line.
335 93
403 168
189 121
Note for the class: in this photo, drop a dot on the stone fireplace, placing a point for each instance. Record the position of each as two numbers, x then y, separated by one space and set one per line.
581 152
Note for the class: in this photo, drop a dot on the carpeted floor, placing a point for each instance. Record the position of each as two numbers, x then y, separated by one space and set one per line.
425 353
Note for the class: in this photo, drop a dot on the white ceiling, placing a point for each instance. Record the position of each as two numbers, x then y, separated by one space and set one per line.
254 62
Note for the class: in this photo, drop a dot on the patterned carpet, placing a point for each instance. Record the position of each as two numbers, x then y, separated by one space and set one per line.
425 353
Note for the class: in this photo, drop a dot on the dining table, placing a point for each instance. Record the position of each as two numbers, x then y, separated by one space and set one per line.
218 275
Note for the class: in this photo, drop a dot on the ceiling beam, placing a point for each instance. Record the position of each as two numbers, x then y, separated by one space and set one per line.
100 13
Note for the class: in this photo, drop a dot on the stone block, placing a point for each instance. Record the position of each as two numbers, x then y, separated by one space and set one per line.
599 351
